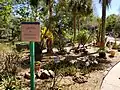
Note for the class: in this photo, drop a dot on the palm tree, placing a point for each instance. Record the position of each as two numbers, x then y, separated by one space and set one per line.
105 3
79 8
49 3
34 4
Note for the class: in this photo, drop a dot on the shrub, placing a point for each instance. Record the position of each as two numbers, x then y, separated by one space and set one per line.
10 83
68 71
84 37
64 67
10 62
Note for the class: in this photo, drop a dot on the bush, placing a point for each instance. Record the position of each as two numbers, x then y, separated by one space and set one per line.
64 67
10 62
10 83
68 71
84 37
9 67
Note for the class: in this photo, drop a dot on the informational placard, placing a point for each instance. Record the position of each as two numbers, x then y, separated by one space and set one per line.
30 31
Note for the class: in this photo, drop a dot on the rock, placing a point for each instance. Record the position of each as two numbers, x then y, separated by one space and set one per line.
96 62
119 50
79 80
44 75
111 56
87 63
27 75
82 50
18 77
52 74
38 74
73 61
21 74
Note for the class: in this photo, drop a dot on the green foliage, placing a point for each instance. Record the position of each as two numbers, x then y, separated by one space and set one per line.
34 3
12 64
64 67
10 83
48 33
108 2
67 35
84 37
9 67
91 68
6 9
117 25
82 7
68 71
111 21
62 39
37 63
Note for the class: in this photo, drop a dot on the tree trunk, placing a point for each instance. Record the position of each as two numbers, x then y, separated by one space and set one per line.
78 24
49 46
103 31
74 26
50 13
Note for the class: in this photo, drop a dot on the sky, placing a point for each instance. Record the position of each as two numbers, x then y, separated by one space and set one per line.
114 8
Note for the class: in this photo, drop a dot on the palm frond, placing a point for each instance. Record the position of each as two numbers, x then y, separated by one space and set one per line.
108 2
34 3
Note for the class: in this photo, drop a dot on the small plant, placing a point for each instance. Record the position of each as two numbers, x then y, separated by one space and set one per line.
84 37
112 53
115 46
68 71
102 53
11 83
10 63
37 66
64 67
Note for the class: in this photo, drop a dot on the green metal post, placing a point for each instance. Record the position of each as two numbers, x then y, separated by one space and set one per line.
32 61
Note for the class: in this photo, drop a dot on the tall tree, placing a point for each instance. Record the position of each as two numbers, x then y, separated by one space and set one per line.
81 8
110 22
105 3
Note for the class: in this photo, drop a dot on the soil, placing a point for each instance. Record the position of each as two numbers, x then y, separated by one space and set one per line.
94 79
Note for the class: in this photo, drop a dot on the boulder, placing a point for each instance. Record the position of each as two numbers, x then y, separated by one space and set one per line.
96 62
44 75
52 74
27 75
87 63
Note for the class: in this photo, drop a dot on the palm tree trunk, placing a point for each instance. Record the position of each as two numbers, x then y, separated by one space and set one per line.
78 24
50 12
74 25
103 24
49 46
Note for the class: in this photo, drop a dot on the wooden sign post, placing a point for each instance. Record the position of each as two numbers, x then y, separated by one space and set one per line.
30 31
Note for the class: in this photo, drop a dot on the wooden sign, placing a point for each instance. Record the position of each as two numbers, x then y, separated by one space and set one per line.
30 31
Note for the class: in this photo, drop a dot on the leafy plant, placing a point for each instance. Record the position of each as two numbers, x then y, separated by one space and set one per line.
64 67
48 34
68 71
10 63
84 37
10 83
